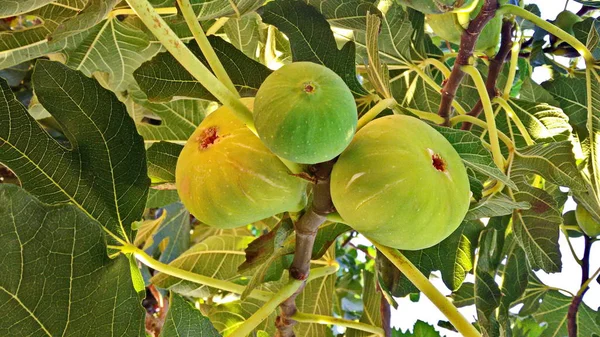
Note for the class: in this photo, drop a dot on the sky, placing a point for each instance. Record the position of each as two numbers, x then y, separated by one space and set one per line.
408 312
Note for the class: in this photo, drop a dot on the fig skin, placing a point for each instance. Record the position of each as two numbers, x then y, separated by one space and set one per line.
305 113
586 222
227 178
401 183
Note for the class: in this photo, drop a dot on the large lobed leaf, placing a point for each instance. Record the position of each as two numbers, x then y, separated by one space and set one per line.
104 171
57 279
183 320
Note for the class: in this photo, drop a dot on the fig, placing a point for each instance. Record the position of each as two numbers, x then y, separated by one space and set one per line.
401 183
586 222
437 6
449 26
227 178
305 113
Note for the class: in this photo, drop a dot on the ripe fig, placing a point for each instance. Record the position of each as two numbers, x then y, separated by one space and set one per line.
227 178
586 222
437 6
305 113
401 183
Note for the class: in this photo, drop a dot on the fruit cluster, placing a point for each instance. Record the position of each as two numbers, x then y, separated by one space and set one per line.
397 180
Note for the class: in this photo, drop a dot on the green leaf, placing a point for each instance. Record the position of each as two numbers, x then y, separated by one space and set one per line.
162 161
347 14
487 299
217 256
588 32
553 311
27 44
177 119
93 12
12 8
211 9
570 92
453 257
421 329
515 277
491 244
65 251
174 231
474 155
464 296
316 298
533 92
372 301
497 204
160 198
104 172
163 77
114 47
246 33
183 320
146 229
312 40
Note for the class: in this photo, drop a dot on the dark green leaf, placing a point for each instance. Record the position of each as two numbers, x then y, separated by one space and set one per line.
163 77
372 303
211 9
553 311
93 12
175 229
104 174
570 92
497 204
464 296
421 329
312 40
487 299
183 320
453 257
347 14
162 160
57 279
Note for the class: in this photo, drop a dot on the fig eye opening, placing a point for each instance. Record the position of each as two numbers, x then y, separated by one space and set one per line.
438 162
309 88
208 137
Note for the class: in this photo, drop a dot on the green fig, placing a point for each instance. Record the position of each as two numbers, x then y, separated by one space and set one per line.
401 183
305 113
586 222
227 178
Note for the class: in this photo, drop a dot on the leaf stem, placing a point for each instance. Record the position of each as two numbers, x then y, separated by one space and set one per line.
437 64
550 28
127 11
205 47
188 60
489 114
220 22
374 111
512 70
192 277
413 274
476 121
430 116
321 319
512 115
246 328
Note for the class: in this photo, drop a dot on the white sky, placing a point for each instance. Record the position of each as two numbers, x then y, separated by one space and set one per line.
408 312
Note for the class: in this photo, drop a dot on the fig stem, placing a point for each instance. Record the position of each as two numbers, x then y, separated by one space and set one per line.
374 111
220 22
188 60
550 28
510 112
321 319
464 57
422 283
430 116
208 51
489 114
437 64
455 104
512 70
127 11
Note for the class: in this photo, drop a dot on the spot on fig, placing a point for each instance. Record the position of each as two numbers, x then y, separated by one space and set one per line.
207 137
438 162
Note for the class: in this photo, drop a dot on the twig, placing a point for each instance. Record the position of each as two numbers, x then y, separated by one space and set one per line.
306 231
496 65
465 53
577 299
386 314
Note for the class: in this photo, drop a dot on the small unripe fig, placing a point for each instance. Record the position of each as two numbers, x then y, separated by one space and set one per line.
227 178
586 222
305 113
401 183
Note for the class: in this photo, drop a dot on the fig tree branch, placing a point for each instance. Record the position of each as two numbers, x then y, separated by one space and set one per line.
496 65
306 232
465 53
585 276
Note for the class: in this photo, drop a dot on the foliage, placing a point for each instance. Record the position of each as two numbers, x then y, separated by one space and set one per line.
97 99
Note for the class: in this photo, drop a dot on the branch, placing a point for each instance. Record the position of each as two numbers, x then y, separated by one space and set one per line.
386 314
585 275
496 65
306 231
467 45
